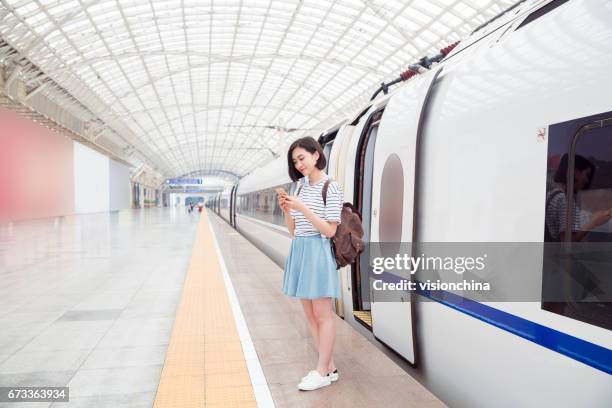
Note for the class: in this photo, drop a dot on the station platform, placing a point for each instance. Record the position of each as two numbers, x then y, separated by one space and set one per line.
167 309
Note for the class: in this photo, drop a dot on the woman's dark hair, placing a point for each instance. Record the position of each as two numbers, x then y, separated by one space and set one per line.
311 146
580 163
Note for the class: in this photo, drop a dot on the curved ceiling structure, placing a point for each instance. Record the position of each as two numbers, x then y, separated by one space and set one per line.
210 87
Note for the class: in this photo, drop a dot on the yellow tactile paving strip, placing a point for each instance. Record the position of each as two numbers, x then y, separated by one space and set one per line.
205 365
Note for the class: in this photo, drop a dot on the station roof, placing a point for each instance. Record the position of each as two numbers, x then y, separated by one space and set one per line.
197 87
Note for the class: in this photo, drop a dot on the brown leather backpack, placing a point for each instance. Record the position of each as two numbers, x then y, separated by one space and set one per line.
347 242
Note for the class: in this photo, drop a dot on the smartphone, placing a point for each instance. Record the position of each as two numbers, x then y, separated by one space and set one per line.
281 192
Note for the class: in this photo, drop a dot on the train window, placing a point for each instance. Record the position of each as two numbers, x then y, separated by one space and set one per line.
541 11
391 200
578 212
262 205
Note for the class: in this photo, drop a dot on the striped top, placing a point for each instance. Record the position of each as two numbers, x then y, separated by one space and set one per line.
312 197
556 214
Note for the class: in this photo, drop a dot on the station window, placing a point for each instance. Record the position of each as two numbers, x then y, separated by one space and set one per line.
578 228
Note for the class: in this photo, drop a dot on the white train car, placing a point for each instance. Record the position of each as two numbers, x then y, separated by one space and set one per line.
465 153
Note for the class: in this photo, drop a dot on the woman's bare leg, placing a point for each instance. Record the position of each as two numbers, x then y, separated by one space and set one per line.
322 309
313 325
312 321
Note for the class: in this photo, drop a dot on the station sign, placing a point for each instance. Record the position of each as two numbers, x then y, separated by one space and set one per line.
182 181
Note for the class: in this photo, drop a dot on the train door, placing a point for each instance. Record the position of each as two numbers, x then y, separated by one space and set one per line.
231 206
234 205
363 200
327 152
394 187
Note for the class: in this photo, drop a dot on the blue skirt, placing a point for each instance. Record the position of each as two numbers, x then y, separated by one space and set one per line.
310 269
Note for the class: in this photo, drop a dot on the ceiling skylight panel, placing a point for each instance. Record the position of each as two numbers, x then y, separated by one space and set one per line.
80 27
481 4
43 27
318 46
314 10
427 6
450 20
292 46
156 67
464 11
215 98
172 37
247 34
339 20
267 45
381 48
132 63
137 9
409 24
345 9
302 30
278 20
36 18
107 97
405 56
429 37
303 68
348 53
57 8
27 8
116 82
147 39
392 38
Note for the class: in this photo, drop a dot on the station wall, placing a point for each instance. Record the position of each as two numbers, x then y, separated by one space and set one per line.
36 170
91 180
44 174
119 185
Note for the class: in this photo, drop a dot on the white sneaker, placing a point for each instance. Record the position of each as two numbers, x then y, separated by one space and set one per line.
314 381
333 376
308 375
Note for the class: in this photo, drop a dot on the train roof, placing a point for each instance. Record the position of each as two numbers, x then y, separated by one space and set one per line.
272 174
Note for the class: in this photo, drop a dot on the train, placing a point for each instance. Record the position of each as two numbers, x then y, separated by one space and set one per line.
466 151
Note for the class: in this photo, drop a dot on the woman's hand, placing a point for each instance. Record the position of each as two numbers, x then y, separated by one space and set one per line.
282 203
294 203
601 217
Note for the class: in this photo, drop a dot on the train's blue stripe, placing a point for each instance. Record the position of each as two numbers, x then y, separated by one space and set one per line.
580 350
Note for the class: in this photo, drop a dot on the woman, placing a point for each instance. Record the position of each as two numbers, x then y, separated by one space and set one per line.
310 270
584 171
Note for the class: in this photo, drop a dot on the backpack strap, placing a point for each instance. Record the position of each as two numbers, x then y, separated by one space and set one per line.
300 188
324 191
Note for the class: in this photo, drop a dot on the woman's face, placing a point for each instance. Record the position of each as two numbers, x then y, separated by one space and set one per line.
304 161
581 178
